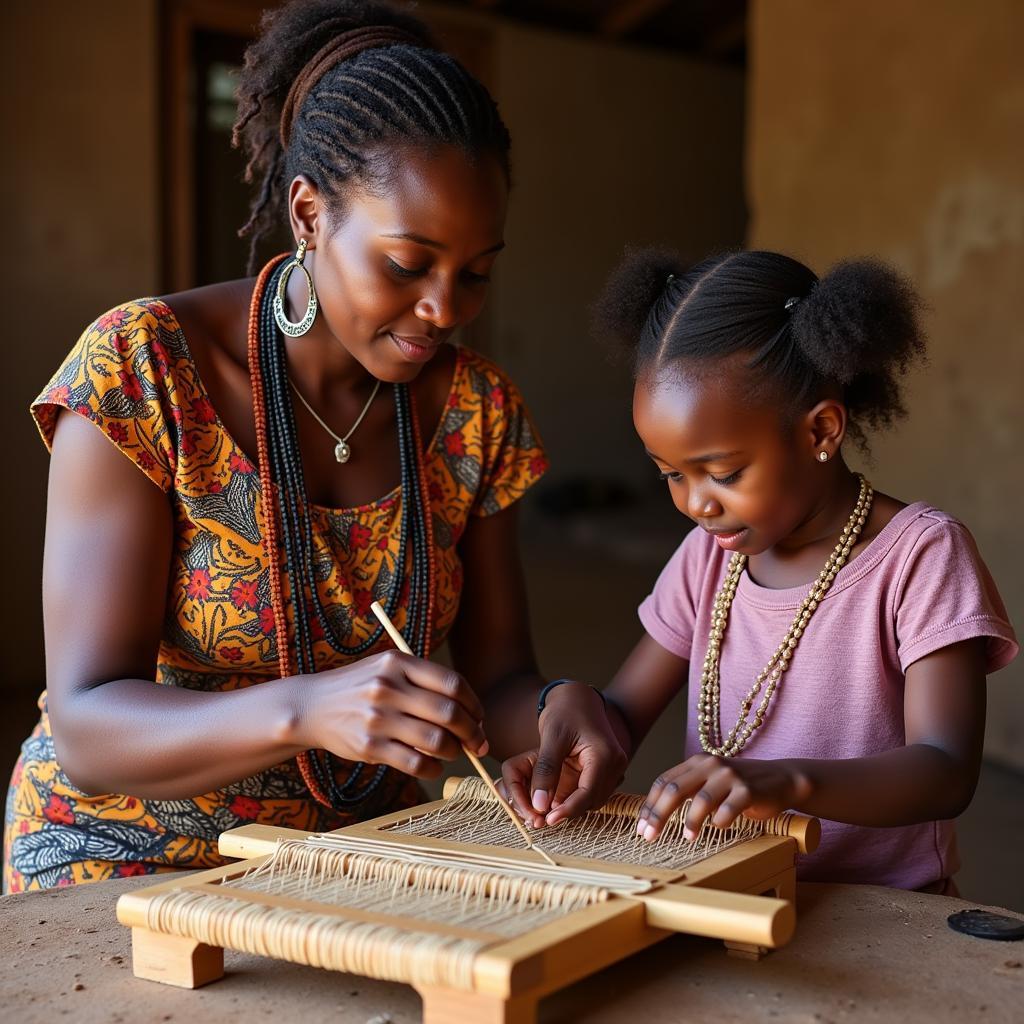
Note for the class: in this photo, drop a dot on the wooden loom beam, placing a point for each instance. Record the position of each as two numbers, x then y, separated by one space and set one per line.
445 1005
255 840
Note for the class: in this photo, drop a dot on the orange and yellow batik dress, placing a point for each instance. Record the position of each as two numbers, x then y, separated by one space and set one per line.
131 374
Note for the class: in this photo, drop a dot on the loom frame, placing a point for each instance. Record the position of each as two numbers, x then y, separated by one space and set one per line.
743 895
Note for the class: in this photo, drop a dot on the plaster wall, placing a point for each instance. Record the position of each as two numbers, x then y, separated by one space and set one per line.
79 191
612 146
896 130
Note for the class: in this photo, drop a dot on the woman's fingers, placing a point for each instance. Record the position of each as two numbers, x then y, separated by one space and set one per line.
404 758
442 699
439 679
427 737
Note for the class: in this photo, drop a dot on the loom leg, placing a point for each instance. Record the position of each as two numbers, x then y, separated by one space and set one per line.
746 950
783 887
451 1006
174 959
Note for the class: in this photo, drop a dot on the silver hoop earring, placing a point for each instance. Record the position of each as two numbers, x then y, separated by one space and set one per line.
823 456
300 327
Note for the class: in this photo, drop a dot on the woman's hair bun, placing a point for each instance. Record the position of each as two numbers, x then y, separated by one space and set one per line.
862 319
631 292
328 84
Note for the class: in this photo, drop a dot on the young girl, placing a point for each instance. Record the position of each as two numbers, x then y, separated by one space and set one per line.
239 470
835 640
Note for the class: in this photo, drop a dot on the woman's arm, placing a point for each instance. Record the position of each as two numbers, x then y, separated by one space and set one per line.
109 535
931 778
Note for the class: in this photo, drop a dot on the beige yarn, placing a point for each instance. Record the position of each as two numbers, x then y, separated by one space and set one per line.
470 815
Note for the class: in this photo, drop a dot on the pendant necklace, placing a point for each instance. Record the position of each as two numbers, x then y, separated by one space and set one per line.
342 449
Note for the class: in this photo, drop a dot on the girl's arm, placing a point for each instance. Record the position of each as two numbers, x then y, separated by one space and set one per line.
109 536
586 743
931 778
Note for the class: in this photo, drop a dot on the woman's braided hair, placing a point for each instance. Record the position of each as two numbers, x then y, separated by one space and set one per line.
332 89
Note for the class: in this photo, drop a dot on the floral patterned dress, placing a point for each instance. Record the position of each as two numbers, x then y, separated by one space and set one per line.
131 374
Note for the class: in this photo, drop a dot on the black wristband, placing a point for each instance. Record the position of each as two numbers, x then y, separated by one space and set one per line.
543 696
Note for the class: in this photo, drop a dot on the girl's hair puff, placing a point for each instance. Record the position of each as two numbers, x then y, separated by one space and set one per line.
359 112
856 329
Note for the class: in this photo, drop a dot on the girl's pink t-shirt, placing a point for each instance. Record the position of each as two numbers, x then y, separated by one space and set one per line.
920 585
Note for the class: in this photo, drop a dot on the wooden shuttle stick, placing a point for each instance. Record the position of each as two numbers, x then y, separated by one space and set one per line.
400 643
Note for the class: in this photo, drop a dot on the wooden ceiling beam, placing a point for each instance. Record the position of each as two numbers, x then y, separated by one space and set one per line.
630 15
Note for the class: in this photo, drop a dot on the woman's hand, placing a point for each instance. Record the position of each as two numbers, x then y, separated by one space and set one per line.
578 764
392 709
722 789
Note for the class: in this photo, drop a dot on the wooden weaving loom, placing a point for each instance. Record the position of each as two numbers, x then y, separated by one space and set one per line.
443 897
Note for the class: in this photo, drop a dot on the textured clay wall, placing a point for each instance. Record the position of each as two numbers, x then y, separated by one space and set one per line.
612 146
896 129
80 201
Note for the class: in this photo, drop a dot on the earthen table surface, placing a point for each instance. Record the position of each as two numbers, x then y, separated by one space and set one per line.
861 953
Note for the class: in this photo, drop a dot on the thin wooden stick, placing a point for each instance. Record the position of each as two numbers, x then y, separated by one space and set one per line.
400 643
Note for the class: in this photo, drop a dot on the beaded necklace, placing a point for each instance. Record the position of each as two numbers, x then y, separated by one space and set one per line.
708 703
280 462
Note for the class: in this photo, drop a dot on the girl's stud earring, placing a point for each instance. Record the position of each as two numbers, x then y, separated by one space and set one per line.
823 456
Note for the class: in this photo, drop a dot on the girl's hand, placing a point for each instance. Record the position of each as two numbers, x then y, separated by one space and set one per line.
577 766
722 789
393 709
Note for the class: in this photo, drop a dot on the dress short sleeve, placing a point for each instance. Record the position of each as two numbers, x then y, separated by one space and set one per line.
119 377
946 595
510 452
669 612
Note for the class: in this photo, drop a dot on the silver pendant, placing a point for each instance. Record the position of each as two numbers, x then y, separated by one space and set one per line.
342 452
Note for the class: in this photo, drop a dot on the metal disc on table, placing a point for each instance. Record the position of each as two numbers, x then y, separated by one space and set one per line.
983 924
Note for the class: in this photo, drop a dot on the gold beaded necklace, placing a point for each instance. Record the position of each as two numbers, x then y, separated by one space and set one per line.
708 704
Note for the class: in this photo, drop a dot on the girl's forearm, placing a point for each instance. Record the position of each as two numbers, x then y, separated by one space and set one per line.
510 713
899 787
621 727
136 737
511 716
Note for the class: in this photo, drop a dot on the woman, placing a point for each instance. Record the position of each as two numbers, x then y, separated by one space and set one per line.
394 474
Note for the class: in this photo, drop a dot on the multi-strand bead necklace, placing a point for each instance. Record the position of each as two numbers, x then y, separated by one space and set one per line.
280 463
709 703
